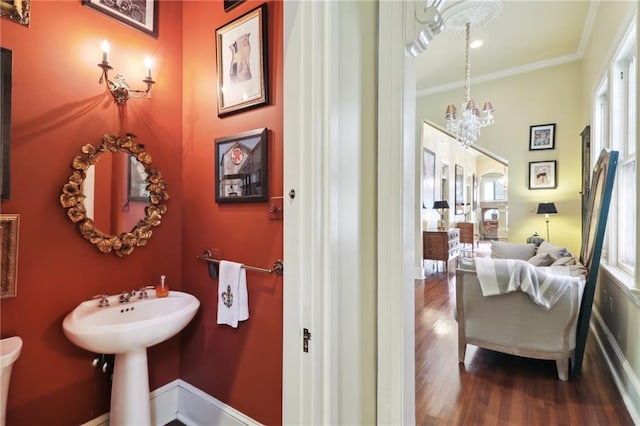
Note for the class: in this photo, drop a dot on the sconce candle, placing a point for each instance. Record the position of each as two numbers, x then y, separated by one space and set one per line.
120 90
147 64
105 52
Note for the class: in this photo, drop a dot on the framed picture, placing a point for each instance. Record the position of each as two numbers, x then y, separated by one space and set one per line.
542 136
474 184
139 14
241 50
428 178
459 189
16 10
230 4
242 167
9 224
136 180
542 175
5 123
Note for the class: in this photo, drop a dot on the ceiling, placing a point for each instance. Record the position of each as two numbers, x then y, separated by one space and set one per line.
526 35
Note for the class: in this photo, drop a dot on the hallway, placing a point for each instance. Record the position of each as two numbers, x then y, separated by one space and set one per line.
492 388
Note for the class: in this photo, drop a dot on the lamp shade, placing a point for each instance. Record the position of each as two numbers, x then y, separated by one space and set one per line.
546 208
441 204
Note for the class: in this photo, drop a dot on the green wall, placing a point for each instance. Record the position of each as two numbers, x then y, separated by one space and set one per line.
550 95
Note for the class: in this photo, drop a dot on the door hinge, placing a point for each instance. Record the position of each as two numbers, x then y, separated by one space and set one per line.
306 336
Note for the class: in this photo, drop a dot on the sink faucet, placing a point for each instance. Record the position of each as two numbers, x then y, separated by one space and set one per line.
125 296
104 301
143 291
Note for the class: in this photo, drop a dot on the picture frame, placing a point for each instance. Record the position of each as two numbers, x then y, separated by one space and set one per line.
9 227
542 175
242 167
230 4
6 66
18 11
428 178
142 15
459 190
241 52
136 180
542 136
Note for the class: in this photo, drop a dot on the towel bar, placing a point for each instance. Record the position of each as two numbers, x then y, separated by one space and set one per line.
278 266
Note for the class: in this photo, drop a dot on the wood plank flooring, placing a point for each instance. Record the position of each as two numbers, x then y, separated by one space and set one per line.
498 389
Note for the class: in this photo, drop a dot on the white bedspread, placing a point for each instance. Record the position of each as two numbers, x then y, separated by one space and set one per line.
544 285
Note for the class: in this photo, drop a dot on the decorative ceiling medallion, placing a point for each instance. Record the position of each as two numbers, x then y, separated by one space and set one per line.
476 13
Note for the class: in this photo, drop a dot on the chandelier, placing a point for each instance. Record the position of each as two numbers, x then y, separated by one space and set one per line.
466 126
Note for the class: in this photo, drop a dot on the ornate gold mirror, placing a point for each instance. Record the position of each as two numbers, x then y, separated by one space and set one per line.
74 195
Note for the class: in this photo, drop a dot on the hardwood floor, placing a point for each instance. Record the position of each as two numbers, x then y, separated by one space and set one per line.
492 388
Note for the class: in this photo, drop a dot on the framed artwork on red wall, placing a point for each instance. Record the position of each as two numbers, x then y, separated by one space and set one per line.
139 14
241 52
16 10
230 4
5 126
242 167
9 224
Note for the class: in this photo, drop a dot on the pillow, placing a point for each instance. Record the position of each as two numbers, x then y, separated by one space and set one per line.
565 261
555 251
541 259
466 263
503 250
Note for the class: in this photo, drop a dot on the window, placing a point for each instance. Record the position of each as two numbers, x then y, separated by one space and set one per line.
615 110
493 187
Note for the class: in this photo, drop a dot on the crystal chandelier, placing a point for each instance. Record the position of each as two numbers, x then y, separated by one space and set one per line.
466 127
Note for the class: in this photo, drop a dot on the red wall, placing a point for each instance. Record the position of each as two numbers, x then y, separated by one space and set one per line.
241 367
58 106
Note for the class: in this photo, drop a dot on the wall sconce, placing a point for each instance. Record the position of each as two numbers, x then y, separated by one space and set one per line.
546 209
441 206
118 87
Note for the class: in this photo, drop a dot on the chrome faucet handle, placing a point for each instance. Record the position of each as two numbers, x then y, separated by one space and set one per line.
143 291
104 301
126 296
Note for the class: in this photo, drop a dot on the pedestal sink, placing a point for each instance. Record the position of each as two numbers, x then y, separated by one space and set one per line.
127 330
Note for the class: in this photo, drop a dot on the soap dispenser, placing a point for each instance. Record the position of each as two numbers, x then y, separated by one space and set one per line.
162 290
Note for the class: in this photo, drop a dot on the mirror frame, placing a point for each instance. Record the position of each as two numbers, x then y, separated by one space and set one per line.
72 198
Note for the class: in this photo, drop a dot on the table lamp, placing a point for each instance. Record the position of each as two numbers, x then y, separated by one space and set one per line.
441 206
546 209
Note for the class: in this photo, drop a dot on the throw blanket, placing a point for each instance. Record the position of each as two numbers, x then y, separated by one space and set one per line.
543 285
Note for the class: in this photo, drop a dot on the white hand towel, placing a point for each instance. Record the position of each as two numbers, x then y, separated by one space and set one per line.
233 300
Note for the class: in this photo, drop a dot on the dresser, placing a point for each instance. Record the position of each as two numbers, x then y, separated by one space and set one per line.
466 233
441 245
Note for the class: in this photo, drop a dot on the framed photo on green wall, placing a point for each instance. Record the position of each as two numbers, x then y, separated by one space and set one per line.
542 136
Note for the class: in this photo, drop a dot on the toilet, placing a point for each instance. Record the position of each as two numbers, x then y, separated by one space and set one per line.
10 348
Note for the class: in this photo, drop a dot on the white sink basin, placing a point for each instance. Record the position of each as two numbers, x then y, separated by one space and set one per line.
127 330
122 327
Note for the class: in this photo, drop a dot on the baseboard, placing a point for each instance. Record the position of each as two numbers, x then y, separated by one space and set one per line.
623 375
193 407
197 408
420 273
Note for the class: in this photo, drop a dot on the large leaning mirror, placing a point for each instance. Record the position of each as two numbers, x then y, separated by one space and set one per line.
81 194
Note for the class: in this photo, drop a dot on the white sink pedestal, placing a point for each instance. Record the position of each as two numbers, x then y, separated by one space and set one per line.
130 390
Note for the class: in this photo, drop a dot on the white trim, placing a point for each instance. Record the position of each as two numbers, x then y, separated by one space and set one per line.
396 217
623 375
185 402
623 281
551 62
102 420
197 408
329 231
